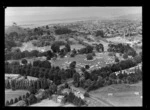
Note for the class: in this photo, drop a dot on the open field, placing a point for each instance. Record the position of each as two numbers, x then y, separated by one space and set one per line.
29 47
9 94
14 76
98 61
121 94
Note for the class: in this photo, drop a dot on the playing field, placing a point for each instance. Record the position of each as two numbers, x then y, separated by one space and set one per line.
9 94
121 94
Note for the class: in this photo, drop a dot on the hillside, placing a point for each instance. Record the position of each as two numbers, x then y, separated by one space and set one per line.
15 28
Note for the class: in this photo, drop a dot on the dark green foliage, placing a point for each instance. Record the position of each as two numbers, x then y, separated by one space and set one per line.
72 65
11 102
86 94
20 98
89 56
86 50
32 99
87 66
116 59
24 61
27 95
99 33
7 103
122 48
16 100
62 30
71 98
125 56
55 48
68 47
99 47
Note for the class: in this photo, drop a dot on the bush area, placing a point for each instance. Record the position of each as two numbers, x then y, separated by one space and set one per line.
62 30
89 57
71 98
106 76
122 48
41 69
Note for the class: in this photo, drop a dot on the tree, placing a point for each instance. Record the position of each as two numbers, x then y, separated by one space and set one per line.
11 102
89 49
68 47
20 98
47 27
76 77
89 57
72 55
24 61
32 99
27 95
36 63
116 59
125 56
55 47
83 69
49 54
16 100
113 76
24 96
72 65
7 103
100 33
87 66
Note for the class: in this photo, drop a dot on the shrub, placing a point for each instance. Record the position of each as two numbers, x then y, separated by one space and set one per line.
72 55
89 57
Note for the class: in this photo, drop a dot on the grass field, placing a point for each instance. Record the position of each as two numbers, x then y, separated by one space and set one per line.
9 94
99 61
121 94
14 76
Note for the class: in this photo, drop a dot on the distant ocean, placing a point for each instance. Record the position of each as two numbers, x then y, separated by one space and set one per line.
33 24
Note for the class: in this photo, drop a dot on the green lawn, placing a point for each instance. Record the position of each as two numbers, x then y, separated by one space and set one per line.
99 61
9 94
122 94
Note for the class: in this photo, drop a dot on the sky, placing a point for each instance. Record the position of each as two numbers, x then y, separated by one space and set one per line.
28 14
